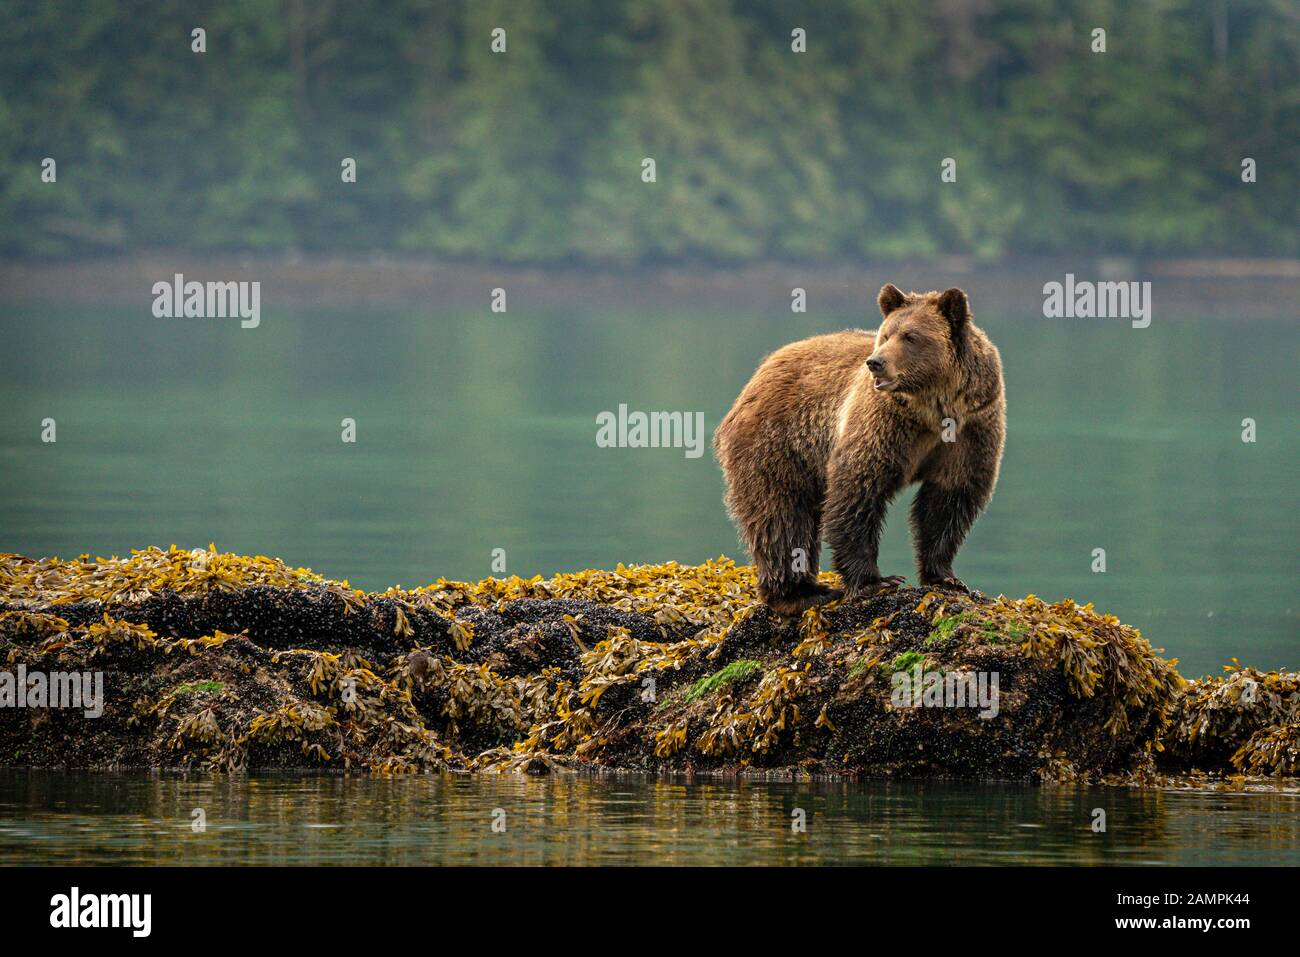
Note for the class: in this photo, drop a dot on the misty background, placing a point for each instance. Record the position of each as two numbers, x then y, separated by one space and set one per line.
533 156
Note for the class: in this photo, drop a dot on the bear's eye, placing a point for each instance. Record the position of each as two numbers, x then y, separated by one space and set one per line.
909 337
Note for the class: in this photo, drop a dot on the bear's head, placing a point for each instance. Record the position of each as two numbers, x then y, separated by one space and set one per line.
920 341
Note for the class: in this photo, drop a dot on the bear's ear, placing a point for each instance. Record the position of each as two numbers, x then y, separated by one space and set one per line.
890 298
954 307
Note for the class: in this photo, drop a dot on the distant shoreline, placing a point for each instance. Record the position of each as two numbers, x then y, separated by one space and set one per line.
1215 288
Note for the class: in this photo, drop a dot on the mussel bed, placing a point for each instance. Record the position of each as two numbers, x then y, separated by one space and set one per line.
235 664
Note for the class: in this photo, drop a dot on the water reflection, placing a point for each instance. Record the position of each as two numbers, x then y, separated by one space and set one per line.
51 818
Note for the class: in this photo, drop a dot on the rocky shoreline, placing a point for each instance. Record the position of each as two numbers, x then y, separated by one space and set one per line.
1209 288
241 664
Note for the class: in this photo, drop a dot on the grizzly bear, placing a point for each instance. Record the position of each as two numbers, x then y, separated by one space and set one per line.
831 428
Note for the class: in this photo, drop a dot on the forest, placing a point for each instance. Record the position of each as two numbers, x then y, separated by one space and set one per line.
829 153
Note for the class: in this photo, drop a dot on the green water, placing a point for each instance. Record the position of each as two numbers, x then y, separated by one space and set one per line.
125 819
477 432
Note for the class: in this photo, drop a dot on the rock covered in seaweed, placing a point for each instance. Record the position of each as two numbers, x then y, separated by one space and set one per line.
238 663
1246 719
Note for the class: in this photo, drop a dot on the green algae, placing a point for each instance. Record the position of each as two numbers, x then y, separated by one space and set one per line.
199 687
904 662
946 625
733 673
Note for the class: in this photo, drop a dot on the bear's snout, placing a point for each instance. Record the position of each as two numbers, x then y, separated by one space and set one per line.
876 364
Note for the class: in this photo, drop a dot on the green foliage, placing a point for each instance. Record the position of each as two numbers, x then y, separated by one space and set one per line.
905 662
722 678
946 625
199 687
1014 632
534 155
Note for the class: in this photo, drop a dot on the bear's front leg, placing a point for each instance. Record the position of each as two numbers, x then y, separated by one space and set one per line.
949 501
941 517
858 493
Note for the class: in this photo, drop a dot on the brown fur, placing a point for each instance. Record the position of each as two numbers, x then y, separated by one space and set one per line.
813 449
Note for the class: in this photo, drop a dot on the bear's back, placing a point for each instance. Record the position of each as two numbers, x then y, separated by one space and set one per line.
793 399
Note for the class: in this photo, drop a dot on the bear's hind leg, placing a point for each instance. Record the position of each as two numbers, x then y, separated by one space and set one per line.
783 535
797 598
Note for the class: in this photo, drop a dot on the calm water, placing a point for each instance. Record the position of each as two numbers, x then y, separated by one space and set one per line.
477 432
79 819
